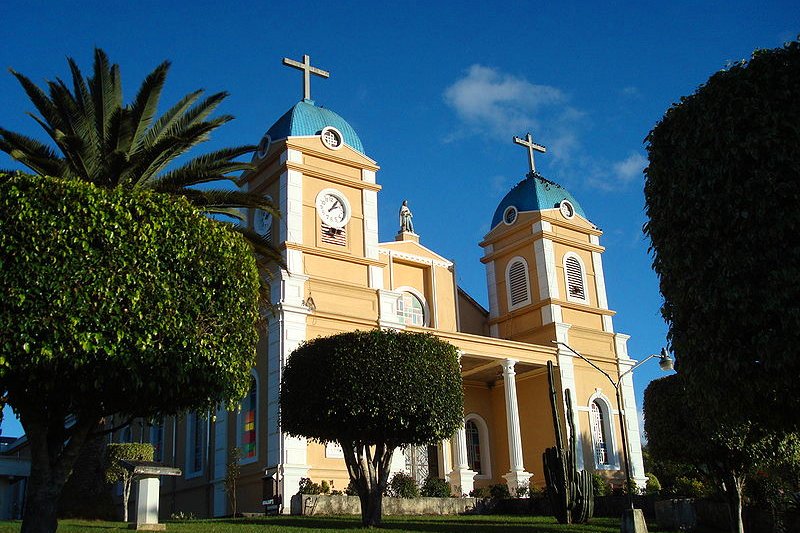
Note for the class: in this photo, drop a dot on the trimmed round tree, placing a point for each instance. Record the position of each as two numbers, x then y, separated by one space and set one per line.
372 392
722 195
114 302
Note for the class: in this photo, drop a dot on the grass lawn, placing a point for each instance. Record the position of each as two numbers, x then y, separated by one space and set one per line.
312 524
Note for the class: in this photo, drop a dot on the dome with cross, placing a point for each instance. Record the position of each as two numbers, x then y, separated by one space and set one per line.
535 193
305 118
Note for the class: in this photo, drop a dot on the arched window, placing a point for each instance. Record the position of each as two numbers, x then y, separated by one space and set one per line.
248 417
411 309
599 435
477 437
473 447
517 283
575 276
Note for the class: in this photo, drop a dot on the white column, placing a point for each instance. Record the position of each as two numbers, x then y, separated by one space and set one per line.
635 458
462 479
517 476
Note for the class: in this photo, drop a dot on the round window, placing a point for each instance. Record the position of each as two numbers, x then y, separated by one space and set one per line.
566 208
332 138
510 215
263 147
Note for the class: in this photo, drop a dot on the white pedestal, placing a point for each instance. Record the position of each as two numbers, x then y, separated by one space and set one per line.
147 505
517 479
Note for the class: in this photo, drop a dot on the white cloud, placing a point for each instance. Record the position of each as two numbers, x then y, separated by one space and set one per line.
631 91
630 168
498 105
487 99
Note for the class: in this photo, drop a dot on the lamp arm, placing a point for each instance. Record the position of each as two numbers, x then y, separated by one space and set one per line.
568 347
637 365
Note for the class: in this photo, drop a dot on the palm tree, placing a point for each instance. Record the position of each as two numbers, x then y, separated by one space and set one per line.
101 140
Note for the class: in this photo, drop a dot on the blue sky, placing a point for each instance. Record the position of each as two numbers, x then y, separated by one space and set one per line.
436 91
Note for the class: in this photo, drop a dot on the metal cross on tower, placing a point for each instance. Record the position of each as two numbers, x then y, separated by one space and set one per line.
531 146
308 70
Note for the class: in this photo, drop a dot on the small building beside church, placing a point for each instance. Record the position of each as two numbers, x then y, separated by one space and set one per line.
545 283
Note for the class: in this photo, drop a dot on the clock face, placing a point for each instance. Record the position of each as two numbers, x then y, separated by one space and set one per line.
566 208
262 221
333 209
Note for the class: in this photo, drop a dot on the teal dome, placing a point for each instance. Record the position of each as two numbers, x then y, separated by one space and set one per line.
535 193
305 118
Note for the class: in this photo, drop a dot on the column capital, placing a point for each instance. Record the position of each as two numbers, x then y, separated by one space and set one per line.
508 365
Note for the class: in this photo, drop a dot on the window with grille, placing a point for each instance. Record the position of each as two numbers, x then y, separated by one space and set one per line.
411 310
518 285
574 274
599 434
473 446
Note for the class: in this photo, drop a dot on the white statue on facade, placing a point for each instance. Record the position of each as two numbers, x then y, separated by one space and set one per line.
406 224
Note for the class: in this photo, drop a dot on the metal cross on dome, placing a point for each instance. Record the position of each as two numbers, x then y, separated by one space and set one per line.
308 70
531 146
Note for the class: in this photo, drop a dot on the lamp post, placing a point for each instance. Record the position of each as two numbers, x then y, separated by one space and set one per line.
666 364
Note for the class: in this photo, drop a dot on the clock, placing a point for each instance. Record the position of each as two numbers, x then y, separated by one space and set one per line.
333 208
567 209
262 222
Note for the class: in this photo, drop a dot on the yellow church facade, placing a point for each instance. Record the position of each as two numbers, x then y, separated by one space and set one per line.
545 285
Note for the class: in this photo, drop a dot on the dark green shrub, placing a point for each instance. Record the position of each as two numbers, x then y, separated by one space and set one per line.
523 490
309 487
481 493
403 486
436 488
653 485
499 491
686 487
600 485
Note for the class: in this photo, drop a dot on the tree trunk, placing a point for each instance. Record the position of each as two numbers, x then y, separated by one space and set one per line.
734 485
41 505
51 464
371 512
127 481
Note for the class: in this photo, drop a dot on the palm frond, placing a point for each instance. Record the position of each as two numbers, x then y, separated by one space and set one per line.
38 157
207 199
106 89
39 99
145 104
70 138
153 159
213 166
186 119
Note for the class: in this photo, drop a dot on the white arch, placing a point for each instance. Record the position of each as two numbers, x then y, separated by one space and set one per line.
527 300
584 284
483 439
612 450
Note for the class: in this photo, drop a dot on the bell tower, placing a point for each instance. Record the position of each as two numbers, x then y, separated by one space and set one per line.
311 163
544 274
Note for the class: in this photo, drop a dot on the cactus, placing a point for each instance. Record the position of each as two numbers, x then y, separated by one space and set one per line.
570 491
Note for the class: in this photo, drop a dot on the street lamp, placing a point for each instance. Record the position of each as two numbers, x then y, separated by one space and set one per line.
666 364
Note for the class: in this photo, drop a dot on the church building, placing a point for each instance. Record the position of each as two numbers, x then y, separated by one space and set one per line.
545 284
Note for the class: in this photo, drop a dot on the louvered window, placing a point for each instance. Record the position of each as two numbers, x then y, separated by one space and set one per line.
518 290
333 235
574 273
